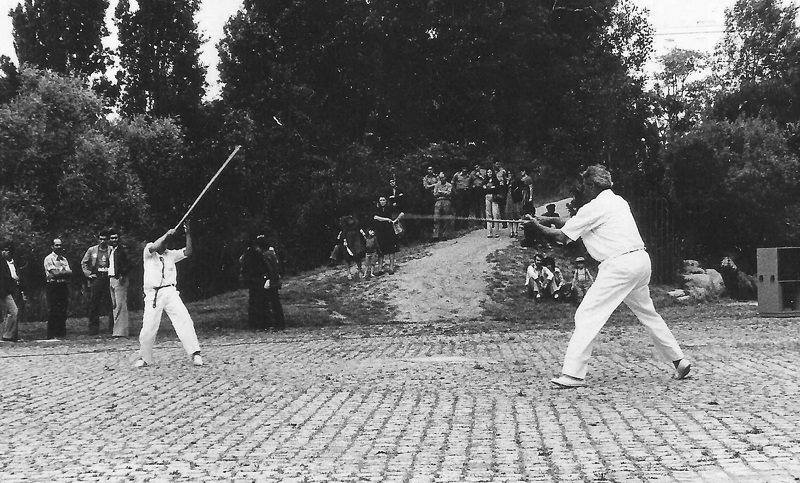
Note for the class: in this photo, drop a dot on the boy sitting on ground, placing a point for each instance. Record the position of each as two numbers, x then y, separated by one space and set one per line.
538 279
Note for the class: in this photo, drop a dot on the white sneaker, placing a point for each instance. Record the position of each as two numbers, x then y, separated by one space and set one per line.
197 360
140 363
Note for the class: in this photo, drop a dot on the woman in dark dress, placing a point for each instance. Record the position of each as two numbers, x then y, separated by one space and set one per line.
386 219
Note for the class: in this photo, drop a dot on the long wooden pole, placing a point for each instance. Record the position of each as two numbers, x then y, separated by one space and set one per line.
224 165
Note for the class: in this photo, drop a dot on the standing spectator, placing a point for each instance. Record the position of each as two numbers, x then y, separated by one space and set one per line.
95 267
396 200
11 294
516 195
119 268
161 294
253 268
429 180
353 245
476 182
491 189
502 192
58 274
527 200
260 272
582 279
272 285
610 234
386 229
373 251
442 210
460 197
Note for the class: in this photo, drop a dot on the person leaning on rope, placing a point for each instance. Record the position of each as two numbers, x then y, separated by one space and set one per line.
610 234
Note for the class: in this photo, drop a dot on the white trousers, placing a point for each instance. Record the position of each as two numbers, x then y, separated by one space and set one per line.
169 301
621 279
119 297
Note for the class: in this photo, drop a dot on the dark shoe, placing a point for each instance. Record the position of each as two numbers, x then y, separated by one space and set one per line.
682 370
566 382
6 339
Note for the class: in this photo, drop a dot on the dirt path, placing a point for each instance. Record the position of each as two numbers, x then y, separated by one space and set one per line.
450 282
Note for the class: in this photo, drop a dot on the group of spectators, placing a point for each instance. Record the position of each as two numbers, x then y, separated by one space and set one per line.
105 266
483 194
544 280
374 251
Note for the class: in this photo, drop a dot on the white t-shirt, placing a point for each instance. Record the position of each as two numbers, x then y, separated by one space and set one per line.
159 270
606 226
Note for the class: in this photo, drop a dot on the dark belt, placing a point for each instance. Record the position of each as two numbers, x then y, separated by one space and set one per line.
155 295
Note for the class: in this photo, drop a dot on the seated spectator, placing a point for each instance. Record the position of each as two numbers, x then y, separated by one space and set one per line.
550 213
557 286
538 279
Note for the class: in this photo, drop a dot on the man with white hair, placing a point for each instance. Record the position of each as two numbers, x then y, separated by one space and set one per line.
611 237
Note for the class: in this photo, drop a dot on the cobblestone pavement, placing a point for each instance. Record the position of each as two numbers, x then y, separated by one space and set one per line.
406 403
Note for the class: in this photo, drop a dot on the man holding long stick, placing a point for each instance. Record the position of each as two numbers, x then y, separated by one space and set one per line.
161 294
611 237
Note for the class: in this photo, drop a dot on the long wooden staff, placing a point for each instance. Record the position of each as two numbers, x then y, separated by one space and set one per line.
208 186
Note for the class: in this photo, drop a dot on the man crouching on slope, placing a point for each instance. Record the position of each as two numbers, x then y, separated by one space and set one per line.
161 294
612 238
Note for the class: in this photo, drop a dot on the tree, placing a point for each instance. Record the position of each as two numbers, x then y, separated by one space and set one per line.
9 81
159 54
62 35
61 169
757 34
734 184
683 92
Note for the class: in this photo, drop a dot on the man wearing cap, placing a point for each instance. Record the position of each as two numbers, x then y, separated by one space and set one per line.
611 236
10 290
58 274
95 268
118 269
161 295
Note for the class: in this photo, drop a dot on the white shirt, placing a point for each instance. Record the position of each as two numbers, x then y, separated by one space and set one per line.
12 269
112 271
159 270
606 226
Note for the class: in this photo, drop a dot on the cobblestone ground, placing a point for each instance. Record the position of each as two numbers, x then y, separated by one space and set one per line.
408 404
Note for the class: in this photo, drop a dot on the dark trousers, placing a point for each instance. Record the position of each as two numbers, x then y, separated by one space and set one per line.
264 308
99 304
57 301
461 201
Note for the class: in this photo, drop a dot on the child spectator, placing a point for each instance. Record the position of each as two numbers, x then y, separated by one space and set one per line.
538 279
582 279
558 283
373 252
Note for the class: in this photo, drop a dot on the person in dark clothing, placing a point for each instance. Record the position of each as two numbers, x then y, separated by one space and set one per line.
260 274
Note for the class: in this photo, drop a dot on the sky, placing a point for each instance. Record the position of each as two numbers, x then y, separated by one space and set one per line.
686 24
